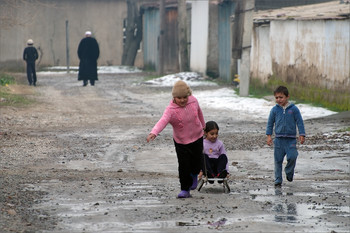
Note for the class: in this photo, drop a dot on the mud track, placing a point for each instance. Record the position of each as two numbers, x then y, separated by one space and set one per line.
77 161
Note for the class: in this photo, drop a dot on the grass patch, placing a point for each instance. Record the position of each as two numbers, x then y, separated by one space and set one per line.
6 79
258 89
7 97
344 130
333 100
151 77
15 100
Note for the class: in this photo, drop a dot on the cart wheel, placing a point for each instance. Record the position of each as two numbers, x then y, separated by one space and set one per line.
200 185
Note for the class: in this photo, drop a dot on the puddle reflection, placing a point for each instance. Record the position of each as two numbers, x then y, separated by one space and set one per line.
283 208
285 212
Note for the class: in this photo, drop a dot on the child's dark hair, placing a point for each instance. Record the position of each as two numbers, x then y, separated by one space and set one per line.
210 125
282 89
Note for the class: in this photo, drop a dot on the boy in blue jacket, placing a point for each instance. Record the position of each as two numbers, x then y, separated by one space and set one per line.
285 117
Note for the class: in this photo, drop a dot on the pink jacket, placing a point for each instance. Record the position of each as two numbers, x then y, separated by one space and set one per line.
187 122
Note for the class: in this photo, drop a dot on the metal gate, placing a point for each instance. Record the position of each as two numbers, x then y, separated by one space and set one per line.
226 9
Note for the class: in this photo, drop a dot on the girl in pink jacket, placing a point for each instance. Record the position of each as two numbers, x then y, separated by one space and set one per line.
186 117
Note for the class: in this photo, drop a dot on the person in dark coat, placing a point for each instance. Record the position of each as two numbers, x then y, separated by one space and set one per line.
88 53
30 55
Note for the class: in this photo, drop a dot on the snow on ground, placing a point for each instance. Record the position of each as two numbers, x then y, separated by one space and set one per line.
100 70
223 98
226 98
192 78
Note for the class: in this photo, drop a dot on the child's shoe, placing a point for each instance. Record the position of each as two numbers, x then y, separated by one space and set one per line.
223 174
210 176
184 194
194 182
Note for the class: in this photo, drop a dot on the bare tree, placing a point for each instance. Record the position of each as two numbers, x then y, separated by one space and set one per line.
133 33
182 33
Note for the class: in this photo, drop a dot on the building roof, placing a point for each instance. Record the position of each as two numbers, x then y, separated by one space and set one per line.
155 3
329 10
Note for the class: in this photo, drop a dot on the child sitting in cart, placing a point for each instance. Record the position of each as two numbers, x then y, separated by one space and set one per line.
216 162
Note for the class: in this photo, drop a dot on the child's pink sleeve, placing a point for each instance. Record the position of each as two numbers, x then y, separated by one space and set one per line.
201 117
162 123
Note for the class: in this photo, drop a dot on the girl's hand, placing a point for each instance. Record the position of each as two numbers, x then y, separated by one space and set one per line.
200 175
302 139
151 137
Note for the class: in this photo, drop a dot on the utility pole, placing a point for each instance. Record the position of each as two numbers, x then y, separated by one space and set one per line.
161 41
67 46
248 9
182 32
237 35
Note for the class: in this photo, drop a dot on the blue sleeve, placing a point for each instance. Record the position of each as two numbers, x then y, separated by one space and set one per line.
270 122
299 121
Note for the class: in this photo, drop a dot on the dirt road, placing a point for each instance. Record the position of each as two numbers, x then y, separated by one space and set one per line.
78 161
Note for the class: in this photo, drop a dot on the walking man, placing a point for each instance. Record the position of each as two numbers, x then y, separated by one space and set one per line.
88 53
30 55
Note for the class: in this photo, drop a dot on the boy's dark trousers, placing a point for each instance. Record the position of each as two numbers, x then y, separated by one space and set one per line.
189 157
31 74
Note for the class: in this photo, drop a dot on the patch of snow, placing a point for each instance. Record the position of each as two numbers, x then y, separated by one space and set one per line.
226 98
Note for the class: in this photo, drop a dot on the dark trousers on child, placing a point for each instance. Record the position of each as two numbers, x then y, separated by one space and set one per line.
215 166
283 147
189 157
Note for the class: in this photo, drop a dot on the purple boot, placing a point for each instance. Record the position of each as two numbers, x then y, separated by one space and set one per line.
184 194
194 182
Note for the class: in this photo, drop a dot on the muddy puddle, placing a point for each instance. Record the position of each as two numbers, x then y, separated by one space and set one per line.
107 205
82 164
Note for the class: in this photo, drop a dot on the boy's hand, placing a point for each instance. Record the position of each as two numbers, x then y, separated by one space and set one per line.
269 140
302 139
151 137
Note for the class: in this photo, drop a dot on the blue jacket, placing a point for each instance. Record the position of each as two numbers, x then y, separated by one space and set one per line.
285 122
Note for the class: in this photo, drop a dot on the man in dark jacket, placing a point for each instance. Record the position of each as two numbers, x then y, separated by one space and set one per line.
30 55
88 53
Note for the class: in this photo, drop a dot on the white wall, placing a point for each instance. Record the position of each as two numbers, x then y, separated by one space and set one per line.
199 35
261 65
312 52
46 26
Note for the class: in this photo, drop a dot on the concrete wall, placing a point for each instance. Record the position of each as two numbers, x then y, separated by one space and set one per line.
45 24
261 65
199 35
275 4
309 52
213 48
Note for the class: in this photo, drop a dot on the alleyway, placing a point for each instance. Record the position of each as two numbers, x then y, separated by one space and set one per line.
78 161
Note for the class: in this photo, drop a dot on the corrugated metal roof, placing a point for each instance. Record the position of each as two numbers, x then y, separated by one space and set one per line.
155 4
330 10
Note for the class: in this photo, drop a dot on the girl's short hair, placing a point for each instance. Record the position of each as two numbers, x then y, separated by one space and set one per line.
210 125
